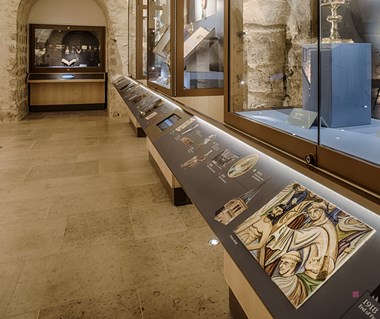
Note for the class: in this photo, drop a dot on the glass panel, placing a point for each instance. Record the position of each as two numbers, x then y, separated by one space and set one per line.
159 67
67 47
350 77
145 41
132 24
203 44
273 75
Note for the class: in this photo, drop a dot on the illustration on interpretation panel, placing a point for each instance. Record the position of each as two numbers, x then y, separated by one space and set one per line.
300 240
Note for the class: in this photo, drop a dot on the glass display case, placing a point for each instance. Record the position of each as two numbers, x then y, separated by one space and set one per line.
137 38
160 46
200 59
189 62
304 77
58 48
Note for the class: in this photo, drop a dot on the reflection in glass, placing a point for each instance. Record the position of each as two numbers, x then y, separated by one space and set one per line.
159 57
269 66
66 47
203 44
286 75
350 73
145 40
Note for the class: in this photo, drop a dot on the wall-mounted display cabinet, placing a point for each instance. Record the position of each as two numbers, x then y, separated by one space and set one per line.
185 47
65 48
137 38
303 76
66 67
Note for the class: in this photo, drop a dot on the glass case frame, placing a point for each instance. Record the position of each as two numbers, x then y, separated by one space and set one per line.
78 49
208 42
137 38
350 169
168 34
177 59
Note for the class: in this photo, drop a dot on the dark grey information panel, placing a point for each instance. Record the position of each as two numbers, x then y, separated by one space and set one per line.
207 161
147 107
365 308
268 215
230 183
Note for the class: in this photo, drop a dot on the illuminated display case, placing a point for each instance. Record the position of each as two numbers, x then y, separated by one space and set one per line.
66 67
189 62
304 77
64 48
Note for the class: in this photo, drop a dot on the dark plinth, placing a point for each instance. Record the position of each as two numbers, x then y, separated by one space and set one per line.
344 83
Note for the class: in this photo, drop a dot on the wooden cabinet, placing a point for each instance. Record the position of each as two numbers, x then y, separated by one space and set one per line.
67 91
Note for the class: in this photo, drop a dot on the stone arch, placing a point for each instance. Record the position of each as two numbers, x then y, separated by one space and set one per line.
13 65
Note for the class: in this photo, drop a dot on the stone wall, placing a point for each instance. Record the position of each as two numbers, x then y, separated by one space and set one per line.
13 52
13 95
269 52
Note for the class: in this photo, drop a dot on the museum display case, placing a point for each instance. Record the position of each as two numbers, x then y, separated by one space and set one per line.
137 38
160 45
191 62
303 76
294 237
66 67
64 48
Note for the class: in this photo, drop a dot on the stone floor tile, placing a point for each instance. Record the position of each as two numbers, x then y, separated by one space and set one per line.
16 211
116 152
19 154
137 177
122 305
87 201
28 162
81 142
97 228
31 239
191 217
154 220
142 195
179 250
197 296
114 165
84 260
28 315
58 279
9 274
54 187
159 193
13 175
63 170
16 145
141 262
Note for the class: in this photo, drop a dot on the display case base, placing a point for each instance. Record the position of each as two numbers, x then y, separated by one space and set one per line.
236 310
66 107
177 195
244 301
139 132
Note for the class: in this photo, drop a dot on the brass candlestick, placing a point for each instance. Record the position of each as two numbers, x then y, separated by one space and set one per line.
334 19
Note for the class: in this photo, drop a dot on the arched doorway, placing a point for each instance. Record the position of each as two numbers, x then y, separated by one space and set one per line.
116 22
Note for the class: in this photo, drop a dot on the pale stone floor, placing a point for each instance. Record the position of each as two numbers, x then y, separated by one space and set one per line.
88 231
